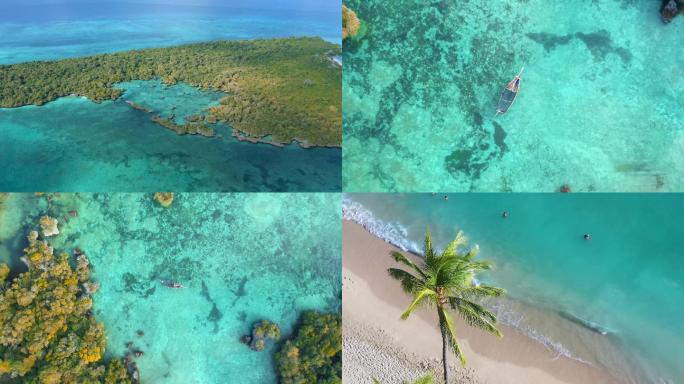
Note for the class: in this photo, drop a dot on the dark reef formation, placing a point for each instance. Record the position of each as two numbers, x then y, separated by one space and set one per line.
262 332
670 9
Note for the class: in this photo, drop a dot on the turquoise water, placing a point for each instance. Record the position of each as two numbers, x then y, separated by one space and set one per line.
599 107
73 144
179 101
72 28
625 286
242 257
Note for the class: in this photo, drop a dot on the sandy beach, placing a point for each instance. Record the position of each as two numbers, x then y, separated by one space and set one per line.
379 345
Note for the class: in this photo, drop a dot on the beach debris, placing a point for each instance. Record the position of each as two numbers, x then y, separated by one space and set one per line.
262 332
164 198
49 226
565 188
670 9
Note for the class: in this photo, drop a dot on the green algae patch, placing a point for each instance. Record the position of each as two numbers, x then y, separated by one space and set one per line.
49 333
287 88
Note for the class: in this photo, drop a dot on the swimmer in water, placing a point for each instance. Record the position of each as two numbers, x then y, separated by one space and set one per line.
587 236
504 214
446 197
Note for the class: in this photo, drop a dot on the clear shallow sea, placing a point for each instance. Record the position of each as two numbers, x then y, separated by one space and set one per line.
73 144
599 108
614 301
76 145
243 258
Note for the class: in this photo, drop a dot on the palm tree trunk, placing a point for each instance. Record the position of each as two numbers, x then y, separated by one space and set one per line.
444 358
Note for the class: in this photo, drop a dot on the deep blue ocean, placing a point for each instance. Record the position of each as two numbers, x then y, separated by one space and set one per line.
45 30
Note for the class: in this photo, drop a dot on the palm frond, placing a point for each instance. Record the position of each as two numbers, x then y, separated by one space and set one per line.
401 258
446 325
475 315
482 290
409 283
418 300
472 252
428 251
454 271
478 266
452 248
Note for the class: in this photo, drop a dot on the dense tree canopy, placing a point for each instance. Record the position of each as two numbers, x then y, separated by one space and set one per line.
314 354
286 88
47 331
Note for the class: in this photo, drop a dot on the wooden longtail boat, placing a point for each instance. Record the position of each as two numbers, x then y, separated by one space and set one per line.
172 284
509 94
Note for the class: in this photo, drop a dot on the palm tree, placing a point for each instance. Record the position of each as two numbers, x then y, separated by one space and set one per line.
446 281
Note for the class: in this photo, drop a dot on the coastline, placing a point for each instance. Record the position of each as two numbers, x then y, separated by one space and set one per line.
235 133
290 90
378 337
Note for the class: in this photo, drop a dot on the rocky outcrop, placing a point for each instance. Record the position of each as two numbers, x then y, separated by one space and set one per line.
192 128
350 23
164 198
670 9
49 226
262 332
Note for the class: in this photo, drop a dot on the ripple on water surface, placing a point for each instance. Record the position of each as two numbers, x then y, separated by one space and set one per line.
242 257
598 108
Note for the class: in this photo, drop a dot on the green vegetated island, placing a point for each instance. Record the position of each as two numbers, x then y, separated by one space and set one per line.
286 89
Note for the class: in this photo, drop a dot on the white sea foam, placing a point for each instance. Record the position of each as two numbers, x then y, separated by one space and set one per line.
393 233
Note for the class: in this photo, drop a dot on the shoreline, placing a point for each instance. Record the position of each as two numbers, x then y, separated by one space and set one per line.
375 310
289 105
235 133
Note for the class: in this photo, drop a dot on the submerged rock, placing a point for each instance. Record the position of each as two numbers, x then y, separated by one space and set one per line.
262 332
49 226
164 198
670 9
